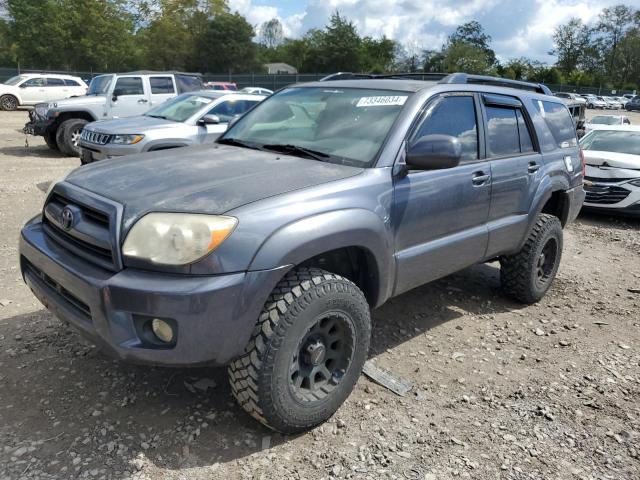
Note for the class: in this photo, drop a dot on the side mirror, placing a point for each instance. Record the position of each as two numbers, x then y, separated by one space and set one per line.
434 152
23 85
233 120
210 119
116 94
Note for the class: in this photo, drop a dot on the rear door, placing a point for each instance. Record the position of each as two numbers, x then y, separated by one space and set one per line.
441 215
161 89
516 162
129 97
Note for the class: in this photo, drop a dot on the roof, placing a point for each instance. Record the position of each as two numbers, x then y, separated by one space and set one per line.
44 74
375 84
152 72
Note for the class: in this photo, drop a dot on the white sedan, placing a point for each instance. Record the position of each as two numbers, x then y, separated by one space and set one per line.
32 88
606 120
612 174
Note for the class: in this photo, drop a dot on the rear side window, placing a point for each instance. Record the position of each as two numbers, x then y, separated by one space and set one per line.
161 85
129 86
188 83
455 116
559 122
71 83
55 82
526 145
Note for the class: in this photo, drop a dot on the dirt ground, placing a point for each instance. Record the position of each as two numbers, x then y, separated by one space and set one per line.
549 391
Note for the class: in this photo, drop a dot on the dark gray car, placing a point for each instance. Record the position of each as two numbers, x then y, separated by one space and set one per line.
266 251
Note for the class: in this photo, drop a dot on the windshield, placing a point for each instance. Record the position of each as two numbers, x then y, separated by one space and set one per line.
100 85
605 120
180 108
617 141
15 80
345 125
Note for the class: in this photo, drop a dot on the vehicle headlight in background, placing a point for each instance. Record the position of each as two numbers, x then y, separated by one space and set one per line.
635 183
126 139
176 238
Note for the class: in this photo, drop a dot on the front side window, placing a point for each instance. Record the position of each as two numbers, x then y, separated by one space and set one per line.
341 125
229 109
129 86
161 85
34 82
180 108
559 121
55 82
455 116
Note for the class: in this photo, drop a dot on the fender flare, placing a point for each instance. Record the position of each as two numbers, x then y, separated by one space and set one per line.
308 237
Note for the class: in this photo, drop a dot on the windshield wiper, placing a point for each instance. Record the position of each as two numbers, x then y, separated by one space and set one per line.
157 116
296 150
238 143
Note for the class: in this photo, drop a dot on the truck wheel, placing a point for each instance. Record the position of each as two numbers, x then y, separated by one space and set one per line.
8 102
68 136
527 275
50 140
306 351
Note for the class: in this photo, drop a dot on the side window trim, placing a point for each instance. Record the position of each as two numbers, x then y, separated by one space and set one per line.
420 117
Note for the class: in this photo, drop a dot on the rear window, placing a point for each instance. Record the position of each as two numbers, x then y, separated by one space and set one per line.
188 83
559 122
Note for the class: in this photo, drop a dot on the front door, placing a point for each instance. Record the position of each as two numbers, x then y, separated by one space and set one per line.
441 215
128 97
33 91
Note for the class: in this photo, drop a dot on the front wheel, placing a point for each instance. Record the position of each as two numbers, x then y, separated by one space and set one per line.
50 140
306 352
8 102
527 275
68 136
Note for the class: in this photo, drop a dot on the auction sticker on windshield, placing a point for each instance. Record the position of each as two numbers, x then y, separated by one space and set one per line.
382 101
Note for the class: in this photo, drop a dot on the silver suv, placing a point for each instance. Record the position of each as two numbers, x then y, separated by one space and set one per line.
109 96
189 119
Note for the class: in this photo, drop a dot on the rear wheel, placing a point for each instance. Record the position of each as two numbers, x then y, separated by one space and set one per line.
8 102
306 352
527 275
68 136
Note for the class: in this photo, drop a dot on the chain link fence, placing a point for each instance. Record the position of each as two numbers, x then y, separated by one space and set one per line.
277 81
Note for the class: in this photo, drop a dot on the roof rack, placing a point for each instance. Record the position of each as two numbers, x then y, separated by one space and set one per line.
453 78
464 78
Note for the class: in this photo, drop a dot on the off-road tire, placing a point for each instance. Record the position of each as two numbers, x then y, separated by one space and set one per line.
50 140
8 102
67 131
521 275
261 379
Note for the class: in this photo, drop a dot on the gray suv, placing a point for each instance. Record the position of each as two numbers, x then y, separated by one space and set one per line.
266 251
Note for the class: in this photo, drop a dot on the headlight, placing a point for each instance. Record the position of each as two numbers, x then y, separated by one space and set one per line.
126 139
176 238
635 183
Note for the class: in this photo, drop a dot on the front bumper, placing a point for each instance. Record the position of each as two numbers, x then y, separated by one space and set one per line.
213 315
102 152
612 196
38 123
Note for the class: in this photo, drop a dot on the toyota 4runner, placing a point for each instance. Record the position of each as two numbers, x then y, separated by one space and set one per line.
266 250
109 96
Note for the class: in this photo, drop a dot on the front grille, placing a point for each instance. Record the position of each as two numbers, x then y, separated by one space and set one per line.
95 137
65 296
607 180
605 194
88 235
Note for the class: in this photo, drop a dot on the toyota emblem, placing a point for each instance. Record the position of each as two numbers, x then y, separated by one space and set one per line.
66 218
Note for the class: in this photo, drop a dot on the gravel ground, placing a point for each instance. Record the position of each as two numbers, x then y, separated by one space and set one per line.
549 391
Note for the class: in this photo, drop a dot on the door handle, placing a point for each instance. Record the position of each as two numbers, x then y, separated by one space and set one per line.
480 178
143 100
533 167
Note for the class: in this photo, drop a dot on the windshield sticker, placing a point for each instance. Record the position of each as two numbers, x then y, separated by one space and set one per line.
381 101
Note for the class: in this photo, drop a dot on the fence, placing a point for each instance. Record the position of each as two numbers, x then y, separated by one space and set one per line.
276 81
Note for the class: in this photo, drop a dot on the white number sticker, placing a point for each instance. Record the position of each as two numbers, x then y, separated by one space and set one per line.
381 101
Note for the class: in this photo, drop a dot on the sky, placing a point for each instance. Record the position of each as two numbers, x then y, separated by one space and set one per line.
518 27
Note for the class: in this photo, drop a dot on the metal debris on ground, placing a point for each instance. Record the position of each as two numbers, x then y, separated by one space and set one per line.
393 382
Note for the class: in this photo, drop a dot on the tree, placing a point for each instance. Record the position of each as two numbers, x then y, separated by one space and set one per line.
377 54
570 41
338 47
473 33
226 45
612 24
271 33
462 56
627 63
6 47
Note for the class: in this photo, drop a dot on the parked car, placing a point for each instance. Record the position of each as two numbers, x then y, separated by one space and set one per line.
607 120
265 251
623 100
612 103
189 119
258 90
577 110
32 88
633 104
570 96
221 86
628 96
612 156
109 96
594 101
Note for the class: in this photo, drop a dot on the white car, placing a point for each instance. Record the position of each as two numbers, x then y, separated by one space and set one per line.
606 120
571 96
612 172
595 102
32 88
257 90
613 103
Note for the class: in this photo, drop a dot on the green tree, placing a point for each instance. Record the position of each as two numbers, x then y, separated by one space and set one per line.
336 48
473 33
377 54
570 41
462 56
612 25
6 45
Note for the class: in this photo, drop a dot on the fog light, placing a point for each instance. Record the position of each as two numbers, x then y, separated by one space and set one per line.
162 330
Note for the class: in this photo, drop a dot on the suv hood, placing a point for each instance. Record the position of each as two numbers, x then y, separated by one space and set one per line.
611 159
211 179
138 124
81 101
